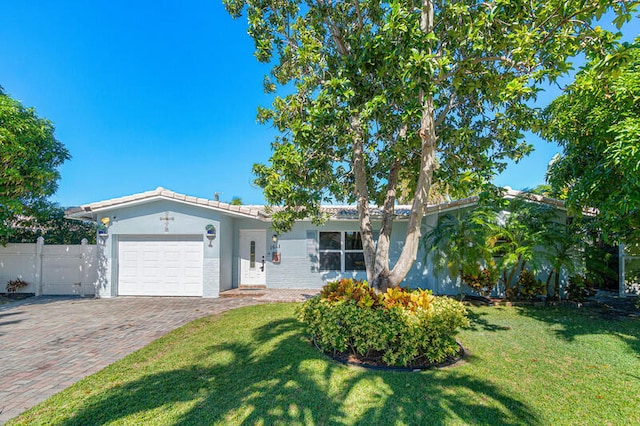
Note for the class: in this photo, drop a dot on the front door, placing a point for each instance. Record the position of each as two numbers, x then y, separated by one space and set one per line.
253 252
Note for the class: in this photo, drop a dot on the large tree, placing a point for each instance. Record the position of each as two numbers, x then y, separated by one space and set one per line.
596 121
374 93
29 157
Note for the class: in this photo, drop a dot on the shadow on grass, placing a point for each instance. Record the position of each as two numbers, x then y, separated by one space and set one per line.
279 378
571 322
478 322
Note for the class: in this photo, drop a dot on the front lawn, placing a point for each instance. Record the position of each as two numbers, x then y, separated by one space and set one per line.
253 366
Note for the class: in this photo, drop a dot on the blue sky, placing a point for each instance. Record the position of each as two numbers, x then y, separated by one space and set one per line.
155 93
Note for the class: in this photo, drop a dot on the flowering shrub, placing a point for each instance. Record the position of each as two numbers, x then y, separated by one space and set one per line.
401 325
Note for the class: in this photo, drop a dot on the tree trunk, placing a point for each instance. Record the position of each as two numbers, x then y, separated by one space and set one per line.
427 166
362 196
512 274
381 267
549 295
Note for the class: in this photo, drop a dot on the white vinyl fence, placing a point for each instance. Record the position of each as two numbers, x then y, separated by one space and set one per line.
50 269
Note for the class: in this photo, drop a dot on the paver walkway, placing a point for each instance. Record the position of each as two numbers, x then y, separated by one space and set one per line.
49 343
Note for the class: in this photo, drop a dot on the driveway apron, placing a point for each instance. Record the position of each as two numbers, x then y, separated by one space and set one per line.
47 343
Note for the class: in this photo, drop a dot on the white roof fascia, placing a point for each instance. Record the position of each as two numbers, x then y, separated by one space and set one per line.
125 204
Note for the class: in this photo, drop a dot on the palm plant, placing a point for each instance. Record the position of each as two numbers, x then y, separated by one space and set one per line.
520 228
459 242
563 251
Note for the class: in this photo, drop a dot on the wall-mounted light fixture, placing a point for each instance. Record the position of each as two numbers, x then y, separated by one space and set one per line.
211 233
103 230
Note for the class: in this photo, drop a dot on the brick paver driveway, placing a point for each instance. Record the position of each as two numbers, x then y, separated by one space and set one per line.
47 344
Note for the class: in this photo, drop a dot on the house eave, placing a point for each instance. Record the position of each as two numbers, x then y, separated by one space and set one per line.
94 209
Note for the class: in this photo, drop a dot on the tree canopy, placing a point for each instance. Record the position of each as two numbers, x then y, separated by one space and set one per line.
596 121
377 93
29 157
47 220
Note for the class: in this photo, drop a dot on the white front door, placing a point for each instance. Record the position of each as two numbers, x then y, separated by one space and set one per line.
253 252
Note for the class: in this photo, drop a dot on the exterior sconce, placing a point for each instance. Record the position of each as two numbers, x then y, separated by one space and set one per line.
103 230
211 233
275 254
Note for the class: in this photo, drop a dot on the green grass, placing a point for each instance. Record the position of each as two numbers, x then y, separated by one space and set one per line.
533 366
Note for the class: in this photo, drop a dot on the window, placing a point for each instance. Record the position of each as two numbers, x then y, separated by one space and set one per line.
341 251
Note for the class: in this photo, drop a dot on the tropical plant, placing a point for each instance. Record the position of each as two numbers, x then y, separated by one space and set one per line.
516 235
409 327
484 280
374 93
579 288
563 252
528 285
352 290
413 300
460 242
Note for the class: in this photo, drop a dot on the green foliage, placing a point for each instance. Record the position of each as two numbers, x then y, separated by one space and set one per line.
482 281
29 158
596 121
528 286
407 326
15 285
460 241
522 229
579 288
563 251
47 220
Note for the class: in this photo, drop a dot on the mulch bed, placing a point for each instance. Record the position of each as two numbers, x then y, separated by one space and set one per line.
374 361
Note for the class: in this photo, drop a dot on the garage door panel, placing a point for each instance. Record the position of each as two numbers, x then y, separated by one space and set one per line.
160 268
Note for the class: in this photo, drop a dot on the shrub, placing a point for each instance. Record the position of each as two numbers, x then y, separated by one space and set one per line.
579 288
350 289
15 285
528 286
482 282
403 327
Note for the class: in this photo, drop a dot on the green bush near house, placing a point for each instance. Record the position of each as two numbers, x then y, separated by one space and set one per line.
400 325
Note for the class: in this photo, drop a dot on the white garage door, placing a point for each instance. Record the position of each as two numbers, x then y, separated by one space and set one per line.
160 268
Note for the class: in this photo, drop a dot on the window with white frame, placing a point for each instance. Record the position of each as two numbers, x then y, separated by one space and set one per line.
341 251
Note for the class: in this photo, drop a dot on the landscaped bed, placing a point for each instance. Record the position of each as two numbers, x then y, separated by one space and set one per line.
524 365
